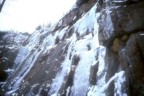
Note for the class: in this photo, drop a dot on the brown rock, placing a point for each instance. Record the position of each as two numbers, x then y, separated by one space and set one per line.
135 61
116 45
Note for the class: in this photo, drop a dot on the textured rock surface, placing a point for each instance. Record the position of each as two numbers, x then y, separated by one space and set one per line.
121 31
94 50
9 45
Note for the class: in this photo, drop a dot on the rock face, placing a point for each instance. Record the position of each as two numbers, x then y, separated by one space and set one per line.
9 45
2 73
121 31
94 50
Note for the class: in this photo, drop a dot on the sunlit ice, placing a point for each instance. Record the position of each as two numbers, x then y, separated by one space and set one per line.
26 15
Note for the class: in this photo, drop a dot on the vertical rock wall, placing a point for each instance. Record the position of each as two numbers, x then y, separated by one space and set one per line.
121 31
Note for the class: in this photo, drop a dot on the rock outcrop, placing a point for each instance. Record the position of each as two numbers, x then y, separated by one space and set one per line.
9 45
94 50
121 31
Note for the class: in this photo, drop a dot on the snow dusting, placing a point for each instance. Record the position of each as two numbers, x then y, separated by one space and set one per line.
77 54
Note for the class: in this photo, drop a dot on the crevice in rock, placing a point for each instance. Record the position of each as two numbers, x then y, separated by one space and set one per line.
93 73
68 82
57 40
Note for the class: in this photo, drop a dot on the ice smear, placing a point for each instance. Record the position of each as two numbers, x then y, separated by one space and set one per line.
119 83
79 48
12 92
28 55
142 34
119 1
57 83
21 55
15 38
87 22
27 67
9 70
118 78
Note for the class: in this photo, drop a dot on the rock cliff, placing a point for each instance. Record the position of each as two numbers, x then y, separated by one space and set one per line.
96 49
